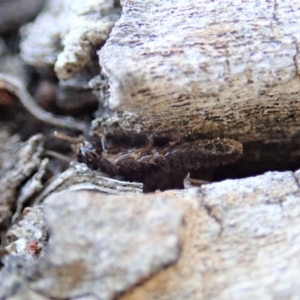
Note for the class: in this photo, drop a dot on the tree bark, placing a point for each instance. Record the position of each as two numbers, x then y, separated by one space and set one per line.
202 68
215 68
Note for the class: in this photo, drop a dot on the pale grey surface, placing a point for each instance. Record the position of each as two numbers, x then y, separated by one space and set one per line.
240 239
100 245
68 33
241 242
14 13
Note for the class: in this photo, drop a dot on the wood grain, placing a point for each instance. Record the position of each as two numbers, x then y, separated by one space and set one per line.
215 68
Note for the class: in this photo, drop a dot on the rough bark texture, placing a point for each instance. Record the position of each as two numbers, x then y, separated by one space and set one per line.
80 27
237 239
215 68
100 245
19 164
241 242
68 34
210 68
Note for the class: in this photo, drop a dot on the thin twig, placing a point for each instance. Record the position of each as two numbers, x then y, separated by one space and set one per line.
15 86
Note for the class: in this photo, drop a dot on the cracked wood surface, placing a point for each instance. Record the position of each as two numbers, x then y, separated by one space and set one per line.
241 241
214 68
236 239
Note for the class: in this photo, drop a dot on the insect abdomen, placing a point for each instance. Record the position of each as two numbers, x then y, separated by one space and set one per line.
204 154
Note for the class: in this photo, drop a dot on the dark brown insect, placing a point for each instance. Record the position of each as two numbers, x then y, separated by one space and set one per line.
154 163
137 163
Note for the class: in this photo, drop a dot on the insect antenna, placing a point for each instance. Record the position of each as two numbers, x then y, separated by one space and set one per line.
57 155
64 137
69 139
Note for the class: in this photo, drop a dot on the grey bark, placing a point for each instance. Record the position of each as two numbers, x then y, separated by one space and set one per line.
217 68
237 239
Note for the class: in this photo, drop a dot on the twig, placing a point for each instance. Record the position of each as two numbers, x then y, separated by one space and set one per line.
15 86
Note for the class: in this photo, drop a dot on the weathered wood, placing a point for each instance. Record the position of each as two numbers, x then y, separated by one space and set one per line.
237 239
100 245
79 27
224 68
215 68
241 242
19 162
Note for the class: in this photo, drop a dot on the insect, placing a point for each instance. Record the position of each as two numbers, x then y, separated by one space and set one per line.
150 162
